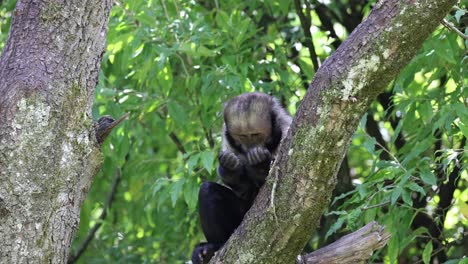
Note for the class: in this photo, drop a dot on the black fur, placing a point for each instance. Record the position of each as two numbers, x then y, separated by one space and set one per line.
221 212
276 134
221 208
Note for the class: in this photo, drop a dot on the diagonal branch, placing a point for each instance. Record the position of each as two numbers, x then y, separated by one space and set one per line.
303 175
452 27
356 247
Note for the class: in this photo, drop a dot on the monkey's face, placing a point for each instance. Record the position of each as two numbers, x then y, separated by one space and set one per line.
248 119
250 134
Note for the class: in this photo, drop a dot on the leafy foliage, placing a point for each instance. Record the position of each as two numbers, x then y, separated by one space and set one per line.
172 64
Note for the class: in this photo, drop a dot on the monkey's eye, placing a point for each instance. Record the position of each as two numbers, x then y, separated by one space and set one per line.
255 135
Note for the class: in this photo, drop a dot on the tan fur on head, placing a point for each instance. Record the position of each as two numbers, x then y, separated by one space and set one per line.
249 118
248 112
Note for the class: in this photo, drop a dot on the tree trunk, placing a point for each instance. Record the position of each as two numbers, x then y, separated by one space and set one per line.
298 189
48 151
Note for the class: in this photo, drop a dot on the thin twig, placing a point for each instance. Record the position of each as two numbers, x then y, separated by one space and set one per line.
452 27
163 3
375 206
177 142
306 24
174 137
110 198
391 155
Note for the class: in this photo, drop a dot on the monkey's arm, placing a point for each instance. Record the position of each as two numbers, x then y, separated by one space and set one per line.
232 178
233 173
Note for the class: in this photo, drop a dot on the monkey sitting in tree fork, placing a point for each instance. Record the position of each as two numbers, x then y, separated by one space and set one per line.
254 125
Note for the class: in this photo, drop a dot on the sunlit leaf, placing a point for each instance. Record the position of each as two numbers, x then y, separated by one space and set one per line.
427 253
463 208
191 193
207 159
337 225
176 112
176 190
428 177
396 194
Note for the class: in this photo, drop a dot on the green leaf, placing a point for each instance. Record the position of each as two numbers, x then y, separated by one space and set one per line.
192 162
425 110
364 121
336 213
353 218
396 132
415 187
222 19
459 14
123 148
207 159
369 144
176 112
417 150
362 191
396 194
463 127
159 184
337 225
146 19
393 249
428 177
406 195
427 253
176 190
284 5
191 193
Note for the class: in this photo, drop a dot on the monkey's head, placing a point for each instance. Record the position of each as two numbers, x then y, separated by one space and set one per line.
248 119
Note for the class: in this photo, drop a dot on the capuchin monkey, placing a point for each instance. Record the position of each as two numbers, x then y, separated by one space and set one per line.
254 125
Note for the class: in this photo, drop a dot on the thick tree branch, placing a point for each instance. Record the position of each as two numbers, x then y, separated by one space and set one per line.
110 198
352 248
298 189
49 68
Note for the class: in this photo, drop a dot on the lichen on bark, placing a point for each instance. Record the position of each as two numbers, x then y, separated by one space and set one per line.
48 151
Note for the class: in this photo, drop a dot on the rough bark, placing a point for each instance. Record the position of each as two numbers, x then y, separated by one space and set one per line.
288 208
48 151
356 247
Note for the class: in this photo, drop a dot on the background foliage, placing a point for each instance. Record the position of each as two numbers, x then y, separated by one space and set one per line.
171 65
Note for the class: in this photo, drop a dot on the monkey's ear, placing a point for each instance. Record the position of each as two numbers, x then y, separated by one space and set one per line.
103 127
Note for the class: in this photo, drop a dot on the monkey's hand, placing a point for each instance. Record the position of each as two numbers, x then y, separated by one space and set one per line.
203 252
258 155
229 160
